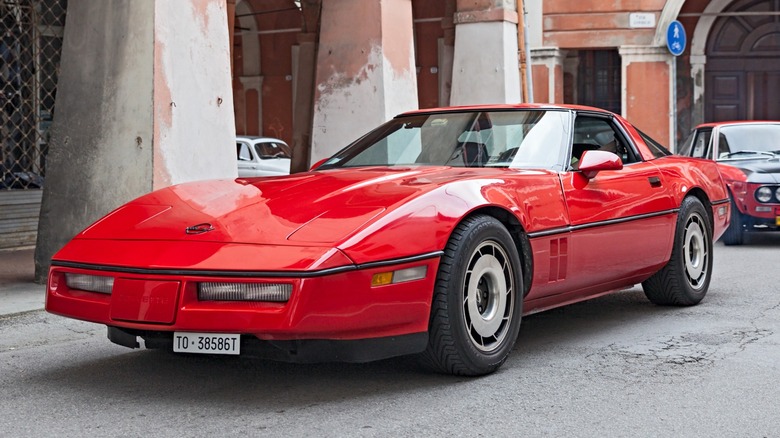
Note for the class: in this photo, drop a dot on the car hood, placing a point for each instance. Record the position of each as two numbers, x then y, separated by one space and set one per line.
758 171
319 208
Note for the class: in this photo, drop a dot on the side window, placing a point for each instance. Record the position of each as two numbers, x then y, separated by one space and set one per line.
697 145
723 147
701 147
598 134
242 152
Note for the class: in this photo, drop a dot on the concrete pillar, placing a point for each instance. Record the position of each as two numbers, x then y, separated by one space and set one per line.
648 80
534 23
252 89
485 66
446 53
571 67
303 99
698 63
365 70
144 101
547 66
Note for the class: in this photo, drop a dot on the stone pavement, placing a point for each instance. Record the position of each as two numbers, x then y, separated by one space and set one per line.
18 292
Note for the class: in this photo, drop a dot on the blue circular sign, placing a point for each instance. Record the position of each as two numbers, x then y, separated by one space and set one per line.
675 38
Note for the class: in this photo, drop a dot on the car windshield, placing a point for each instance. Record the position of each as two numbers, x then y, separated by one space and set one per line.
272 149
739 141
514 139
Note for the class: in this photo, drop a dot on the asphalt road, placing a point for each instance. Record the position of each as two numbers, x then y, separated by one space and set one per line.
614 366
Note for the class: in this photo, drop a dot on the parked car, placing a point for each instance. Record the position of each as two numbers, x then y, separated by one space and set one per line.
433 235
262 156
748 153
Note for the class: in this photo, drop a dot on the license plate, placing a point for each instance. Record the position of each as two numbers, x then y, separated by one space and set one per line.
206 343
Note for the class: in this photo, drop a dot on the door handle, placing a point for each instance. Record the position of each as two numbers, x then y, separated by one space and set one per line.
654 181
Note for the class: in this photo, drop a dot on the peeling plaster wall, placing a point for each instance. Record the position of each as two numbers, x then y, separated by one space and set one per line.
194 131
346 107
137 108
366 73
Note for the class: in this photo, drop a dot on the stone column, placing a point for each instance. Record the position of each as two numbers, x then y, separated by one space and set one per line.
365 70
547 65
698 62
144 100
446 53
485 67
571 67
252 89
303 97
648 74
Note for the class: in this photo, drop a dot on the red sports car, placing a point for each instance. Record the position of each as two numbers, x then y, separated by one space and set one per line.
432 234
748 153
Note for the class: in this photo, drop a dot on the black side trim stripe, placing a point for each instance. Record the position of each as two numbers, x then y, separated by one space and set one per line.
571 228
410 259
722 201
245 274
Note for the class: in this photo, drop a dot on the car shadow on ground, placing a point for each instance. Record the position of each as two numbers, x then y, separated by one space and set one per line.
760 239
276 386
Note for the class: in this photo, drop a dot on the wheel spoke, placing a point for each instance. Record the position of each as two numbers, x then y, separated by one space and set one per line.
488 295
695 252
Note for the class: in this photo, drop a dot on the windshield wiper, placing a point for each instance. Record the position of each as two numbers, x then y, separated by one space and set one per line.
749 152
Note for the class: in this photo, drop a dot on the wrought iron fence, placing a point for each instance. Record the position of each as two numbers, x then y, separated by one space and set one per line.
30 46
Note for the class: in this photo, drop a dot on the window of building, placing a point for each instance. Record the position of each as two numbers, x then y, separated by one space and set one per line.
599 79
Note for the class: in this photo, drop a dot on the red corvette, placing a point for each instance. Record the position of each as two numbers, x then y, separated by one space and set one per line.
749 157
432 234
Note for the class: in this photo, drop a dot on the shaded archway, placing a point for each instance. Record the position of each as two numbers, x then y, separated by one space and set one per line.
266 37
247 81
742 72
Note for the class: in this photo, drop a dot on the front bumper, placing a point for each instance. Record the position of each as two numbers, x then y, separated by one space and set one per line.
760 216
298 351
325 312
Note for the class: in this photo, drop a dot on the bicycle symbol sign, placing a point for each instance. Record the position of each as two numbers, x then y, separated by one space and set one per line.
675 38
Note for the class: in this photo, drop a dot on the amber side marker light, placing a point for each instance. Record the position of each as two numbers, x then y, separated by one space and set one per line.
399 276
89 283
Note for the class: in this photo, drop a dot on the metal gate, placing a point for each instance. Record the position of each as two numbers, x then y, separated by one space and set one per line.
30 46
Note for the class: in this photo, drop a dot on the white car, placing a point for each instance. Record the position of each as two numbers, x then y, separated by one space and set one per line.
262 156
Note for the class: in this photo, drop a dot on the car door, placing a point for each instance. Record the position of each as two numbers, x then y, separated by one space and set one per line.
621 221
247 167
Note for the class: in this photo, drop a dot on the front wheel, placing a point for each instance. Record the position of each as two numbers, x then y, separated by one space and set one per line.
477 301
684 280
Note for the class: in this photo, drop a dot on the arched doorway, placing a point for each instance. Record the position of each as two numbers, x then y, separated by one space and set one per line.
265 39
742 79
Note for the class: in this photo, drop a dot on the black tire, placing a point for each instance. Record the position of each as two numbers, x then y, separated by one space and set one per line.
735 233
684 280
477 300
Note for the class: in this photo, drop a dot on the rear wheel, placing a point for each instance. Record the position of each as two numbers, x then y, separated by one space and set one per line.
735 233
684 280
477 301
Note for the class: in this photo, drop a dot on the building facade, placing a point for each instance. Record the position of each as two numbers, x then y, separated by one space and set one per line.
320 73
611 54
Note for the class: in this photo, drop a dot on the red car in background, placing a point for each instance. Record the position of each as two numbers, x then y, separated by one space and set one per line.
432 234
748 153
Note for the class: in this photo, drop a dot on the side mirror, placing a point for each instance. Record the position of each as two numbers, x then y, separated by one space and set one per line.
593 162
318 164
